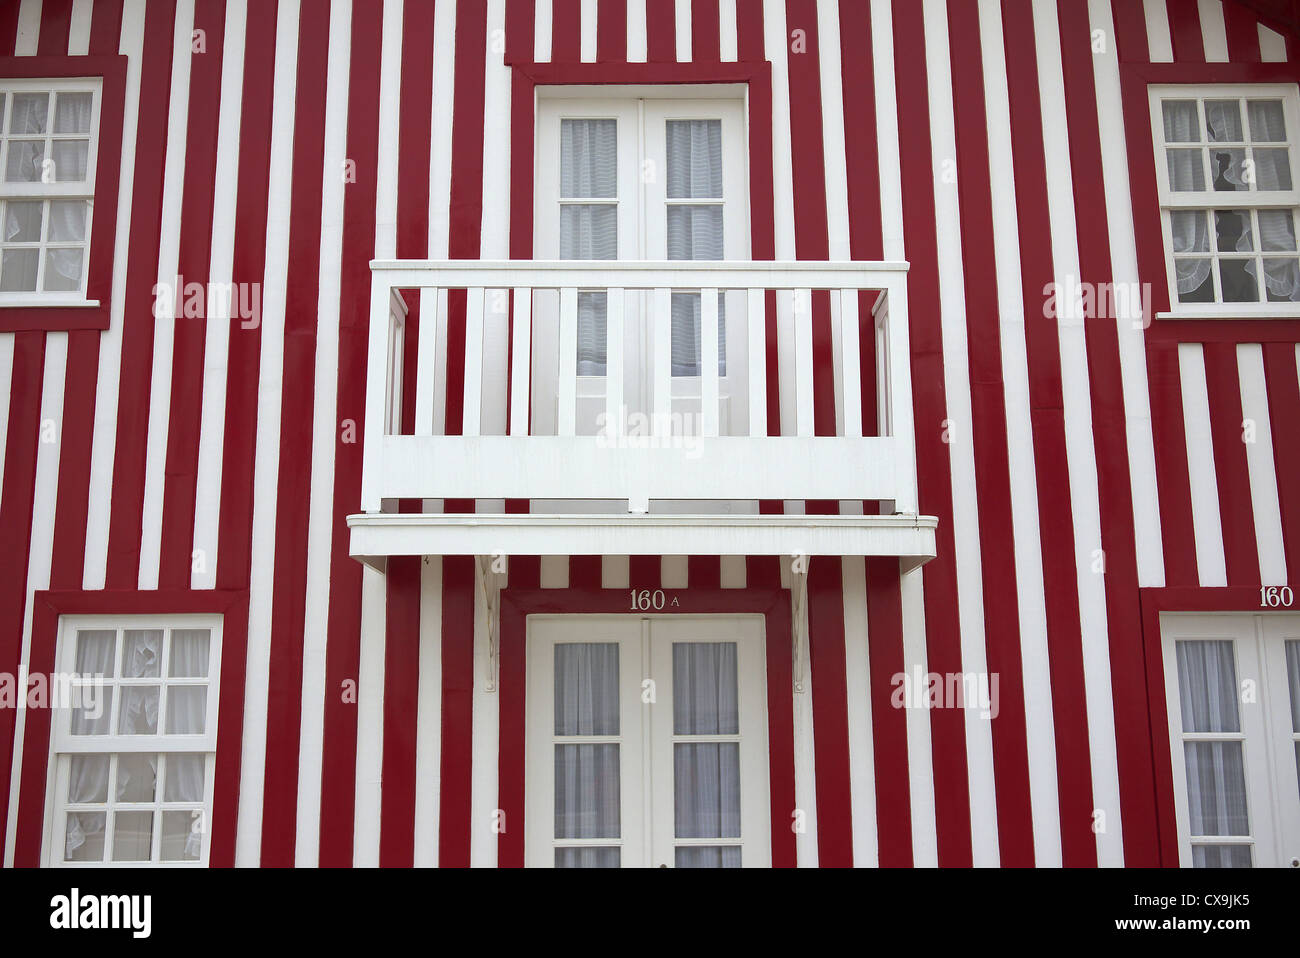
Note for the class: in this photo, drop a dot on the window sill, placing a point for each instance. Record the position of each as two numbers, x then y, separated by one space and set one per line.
36 302
1236 313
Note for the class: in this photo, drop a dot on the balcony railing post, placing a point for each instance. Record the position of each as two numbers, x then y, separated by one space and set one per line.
568 392
756 306
521 359
426 361
473 362
377 358
803 362
851 362
661 318
709 360
901 424
615 298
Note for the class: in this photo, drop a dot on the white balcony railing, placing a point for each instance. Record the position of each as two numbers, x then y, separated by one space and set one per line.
728 455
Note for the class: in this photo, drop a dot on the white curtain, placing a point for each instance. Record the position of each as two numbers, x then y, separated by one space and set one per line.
187 704
182 837
84 834
587 775
95 652
589 170
706 775
694 231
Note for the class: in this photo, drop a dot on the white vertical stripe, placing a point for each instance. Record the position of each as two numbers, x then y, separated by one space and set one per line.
857 666
212 419
542 31
553 572
805 765
891 175
1160 44
1026 544
673 572
1081 461
615 572
952 305
390 85
248 842
444 75
324 425
370 721
428 718
1214 35
1130 325
1272 46
1206 521
29 28
110 343
775 44
79 28
733 572
683 31
169 238
728 33
45 499
832 90
636 31
920 751
587 39
1261 465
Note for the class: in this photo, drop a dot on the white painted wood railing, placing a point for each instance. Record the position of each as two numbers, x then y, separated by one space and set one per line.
707 466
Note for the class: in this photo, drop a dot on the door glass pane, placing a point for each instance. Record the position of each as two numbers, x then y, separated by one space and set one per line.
694 159
1216 788
704 689
587 791
1207 686
586 688
694 230
588 158
589 170
1221 856
708 856
587 857
1293 681
706 789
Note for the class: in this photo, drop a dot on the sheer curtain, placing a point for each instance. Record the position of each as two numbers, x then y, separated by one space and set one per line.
1216 779
587 775
694 149
187 705
84 834
589 170
706 775
95 652
141 658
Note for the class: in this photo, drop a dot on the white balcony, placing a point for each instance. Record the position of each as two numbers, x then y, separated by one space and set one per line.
603 457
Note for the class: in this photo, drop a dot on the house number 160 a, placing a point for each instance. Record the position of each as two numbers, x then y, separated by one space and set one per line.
645 600
1272 597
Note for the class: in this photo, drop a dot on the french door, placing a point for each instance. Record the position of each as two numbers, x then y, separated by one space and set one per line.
641 178
646 743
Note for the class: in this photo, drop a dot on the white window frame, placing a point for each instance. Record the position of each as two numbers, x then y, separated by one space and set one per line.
75 190
63 744
1272 789
646 739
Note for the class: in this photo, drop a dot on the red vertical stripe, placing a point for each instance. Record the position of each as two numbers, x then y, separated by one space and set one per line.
189 334
1185 30
457 710
566 31
1241 550
889 728
520 26
704 572
56 22
611 31
661 31
1283 412
342 664
584 572
1242 31
830 712
644 572
705 30
401 704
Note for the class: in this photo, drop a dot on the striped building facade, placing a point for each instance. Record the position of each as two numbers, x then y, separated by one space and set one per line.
1086 475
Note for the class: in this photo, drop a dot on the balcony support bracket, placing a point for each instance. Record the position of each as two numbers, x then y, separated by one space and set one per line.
799 565
488 573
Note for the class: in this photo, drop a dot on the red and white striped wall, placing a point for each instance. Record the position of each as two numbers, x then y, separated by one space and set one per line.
1069 464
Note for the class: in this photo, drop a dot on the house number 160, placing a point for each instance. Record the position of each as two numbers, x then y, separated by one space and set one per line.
1271 597
645 600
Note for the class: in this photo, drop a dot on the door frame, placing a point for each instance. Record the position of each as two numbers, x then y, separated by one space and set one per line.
517 604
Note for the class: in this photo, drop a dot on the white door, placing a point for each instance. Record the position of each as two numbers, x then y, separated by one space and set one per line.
641 178
1232 684
647 743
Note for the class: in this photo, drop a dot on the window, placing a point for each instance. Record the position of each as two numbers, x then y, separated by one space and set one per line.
1229 194
48 149
135 749
647 743
1233 688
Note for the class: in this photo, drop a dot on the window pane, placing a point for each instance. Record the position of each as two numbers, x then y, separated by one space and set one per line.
1216 788
1267 121
1223 121
83 840
588 159
23 221
139 714
587 791
187 709
1227 170
89 779
706 789
1273 169
586 688
587 857
18 270
62 270
694 150
132 836
70 159
1189 231
189 653
95 649
695 232
1237 281
1282 279
92 710
588 231
137 777
1233 232
184 782
1186 170
1221 856
30 112
592 342
708 856
1207 685
704 689
68 221
24 162
1180 121
182 836
1276 230
72 113
142 656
